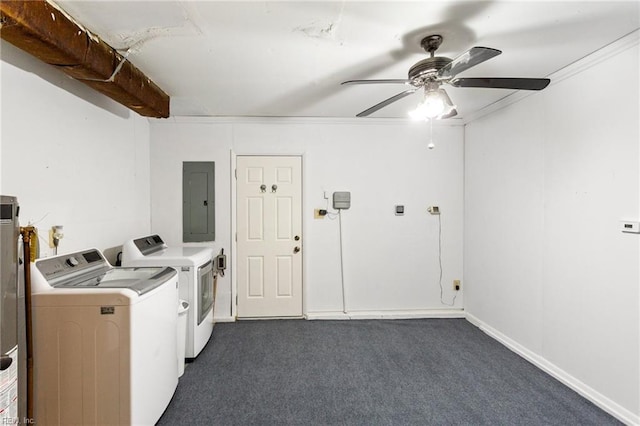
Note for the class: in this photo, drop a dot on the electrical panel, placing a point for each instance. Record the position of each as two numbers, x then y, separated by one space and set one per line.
341 200
198 201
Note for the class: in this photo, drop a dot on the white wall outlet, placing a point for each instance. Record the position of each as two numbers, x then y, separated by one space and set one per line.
51 245
631 226
55 235
434 209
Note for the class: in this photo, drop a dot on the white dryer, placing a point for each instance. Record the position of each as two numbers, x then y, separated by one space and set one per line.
104 341
196 278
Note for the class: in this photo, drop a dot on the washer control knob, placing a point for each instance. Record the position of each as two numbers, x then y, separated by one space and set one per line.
72 261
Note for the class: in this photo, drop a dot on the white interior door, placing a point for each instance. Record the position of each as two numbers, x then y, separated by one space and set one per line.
269 247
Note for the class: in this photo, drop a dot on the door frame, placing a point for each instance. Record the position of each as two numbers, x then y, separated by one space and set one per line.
234 225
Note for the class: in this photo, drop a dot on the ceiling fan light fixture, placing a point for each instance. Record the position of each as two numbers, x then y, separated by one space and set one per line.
436 104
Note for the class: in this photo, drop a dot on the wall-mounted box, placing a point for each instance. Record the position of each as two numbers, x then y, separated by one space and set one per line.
341 200
198 201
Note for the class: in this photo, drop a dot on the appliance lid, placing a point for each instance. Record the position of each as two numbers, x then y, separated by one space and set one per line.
196 255
156 253
88 269
140 280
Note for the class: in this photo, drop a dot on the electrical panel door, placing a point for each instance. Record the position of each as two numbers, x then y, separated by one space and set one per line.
198 201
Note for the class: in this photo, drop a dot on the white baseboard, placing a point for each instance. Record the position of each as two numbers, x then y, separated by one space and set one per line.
417 314
224 319
587 392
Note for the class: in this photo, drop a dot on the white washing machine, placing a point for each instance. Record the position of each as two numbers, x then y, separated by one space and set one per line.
196 282
104 341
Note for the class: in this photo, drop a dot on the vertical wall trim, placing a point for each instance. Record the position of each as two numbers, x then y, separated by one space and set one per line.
234 230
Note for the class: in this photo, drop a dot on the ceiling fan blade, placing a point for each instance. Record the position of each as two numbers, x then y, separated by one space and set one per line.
468 59
386 102
397 81
502 83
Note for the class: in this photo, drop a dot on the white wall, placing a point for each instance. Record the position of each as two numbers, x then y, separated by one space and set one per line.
72 157
547 179
390 262
546 266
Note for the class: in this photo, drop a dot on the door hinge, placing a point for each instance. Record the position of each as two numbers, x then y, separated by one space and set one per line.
235 172
236 237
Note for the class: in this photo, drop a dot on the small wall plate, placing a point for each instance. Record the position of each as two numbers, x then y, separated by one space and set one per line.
630 226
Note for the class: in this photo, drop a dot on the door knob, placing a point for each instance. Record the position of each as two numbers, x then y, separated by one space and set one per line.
263 188
5 362
296 249
297 238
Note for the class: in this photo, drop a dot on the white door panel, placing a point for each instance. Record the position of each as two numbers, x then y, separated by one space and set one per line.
269 209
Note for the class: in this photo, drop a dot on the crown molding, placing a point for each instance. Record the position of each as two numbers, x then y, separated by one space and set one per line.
303 121
626 42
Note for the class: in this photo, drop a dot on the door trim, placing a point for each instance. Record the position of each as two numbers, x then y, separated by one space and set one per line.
234 226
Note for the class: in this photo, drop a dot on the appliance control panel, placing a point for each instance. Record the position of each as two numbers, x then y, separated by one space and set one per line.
59 266
150 244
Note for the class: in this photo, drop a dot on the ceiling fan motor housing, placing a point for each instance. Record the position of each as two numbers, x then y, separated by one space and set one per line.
427 69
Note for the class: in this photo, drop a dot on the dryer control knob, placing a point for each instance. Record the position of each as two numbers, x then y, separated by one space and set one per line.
72 261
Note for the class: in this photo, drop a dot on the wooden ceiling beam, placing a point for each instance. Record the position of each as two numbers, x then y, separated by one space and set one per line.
42 30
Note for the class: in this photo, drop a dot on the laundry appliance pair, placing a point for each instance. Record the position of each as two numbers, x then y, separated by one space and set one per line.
105 338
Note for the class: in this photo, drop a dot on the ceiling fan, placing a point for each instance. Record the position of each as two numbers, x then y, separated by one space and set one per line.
430 73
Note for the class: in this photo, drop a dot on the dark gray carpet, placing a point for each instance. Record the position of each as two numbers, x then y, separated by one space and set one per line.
369 372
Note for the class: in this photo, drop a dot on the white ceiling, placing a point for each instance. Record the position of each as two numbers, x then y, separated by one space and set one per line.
287 59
